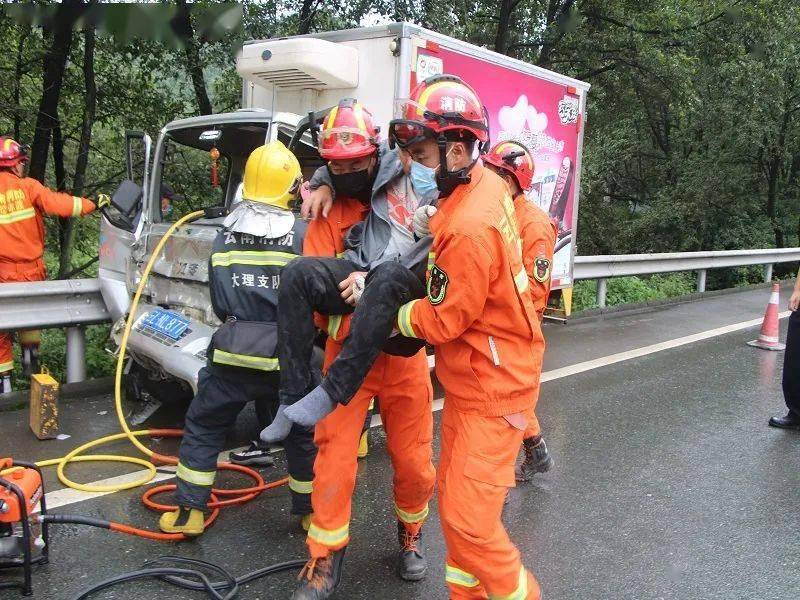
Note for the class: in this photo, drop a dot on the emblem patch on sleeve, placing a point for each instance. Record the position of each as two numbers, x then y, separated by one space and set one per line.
437 285
541 269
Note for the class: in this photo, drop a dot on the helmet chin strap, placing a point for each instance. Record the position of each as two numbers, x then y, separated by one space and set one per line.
447 180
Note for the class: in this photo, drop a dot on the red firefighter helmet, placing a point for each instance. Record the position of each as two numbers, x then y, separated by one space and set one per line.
513 158
348 132
442 104
12 152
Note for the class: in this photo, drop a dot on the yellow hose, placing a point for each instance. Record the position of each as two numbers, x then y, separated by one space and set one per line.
75 455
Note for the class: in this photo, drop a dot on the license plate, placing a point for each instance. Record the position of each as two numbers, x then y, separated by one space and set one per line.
169 323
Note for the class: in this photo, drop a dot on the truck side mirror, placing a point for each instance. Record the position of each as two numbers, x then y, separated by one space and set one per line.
127 204
127 198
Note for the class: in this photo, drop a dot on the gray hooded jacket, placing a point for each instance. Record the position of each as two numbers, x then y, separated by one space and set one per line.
366 242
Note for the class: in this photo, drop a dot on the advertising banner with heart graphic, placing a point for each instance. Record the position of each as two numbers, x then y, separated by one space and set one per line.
545 117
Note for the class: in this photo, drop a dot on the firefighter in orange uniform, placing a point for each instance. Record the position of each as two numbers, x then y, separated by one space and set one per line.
480 316
23 204
361 173
512 161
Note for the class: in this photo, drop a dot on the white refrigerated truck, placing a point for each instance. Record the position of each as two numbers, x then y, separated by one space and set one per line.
287 82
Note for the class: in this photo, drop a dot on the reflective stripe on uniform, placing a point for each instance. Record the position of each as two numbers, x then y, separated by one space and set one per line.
334 324
329 537
6 366
520 593
205 478
301 487
341 254
77 206
404 319
242 360
431 260
17 215
261 258
521 281
408 517
456 576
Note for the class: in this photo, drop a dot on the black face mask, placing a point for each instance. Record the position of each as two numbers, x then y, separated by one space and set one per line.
357 184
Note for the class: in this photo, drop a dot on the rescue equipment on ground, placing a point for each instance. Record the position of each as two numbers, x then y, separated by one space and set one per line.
44 405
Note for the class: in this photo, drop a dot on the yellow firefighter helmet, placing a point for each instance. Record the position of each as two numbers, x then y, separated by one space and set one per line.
272 176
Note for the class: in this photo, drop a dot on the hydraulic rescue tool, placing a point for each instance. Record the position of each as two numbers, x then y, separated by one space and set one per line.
23 540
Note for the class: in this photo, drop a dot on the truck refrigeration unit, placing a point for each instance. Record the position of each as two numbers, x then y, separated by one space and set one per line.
199 162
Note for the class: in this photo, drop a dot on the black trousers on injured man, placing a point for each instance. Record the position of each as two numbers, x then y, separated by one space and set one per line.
311 284
221 395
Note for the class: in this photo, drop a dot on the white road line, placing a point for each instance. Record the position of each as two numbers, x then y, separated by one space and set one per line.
68 496
652 349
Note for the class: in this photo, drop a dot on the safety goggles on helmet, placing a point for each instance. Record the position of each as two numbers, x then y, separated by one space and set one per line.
405 133
341 143
415 122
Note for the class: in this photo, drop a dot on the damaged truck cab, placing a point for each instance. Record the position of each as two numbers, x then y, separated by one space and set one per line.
288 84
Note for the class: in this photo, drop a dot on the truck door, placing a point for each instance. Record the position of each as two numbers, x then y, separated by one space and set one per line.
122 223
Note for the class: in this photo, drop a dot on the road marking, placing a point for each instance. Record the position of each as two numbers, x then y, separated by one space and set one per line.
68 496
652 349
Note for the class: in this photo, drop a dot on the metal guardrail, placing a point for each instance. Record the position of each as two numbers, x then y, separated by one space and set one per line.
71 304
603 267
75 303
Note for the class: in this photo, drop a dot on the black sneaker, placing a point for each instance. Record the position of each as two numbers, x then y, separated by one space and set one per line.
790 421
411 562
256 454
537 460
320 577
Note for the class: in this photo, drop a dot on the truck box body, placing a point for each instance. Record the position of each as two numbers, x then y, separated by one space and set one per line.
379 65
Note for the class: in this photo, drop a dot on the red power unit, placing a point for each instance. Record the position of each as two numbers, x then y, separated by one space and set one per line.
21 543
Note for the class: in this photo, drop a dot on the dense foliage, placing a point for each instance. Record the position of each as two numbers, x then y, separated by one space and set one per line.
693 129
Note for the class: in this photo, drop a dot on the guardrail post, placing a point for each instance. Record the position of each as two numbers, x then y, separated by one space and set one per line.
768 273
76 354
602 289
701 280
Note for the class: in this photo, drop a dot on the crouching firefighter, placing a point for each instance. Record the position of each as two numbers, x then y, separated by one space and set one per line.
260 236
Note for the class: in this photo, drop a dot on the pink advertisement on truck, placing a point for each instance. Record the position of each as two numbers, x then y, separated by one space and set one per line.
543 115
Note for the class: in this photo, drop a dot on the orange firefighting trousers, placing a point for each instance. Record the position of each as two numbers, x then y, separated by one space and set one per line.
475 471
10 273
404 392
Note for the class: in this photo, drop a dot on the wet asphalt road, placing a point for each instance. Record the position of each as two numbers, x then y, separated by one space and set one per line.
667 485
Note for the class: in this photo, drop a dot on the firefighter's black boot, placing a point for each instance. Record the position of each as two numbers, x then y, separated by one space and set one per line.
411 562
537 459
320 577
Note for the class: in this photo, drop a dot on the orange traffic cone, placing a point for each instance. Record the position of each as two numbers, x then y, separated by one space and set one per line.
768 338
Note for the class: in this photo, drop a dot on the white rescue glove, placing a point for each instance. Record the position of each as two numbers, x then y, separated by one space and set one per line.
422 218
358 287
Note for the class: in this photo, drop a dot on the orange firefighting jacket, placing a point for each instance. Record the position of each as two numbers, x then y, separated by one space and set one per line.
23 204
538 235
479 312
325 237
